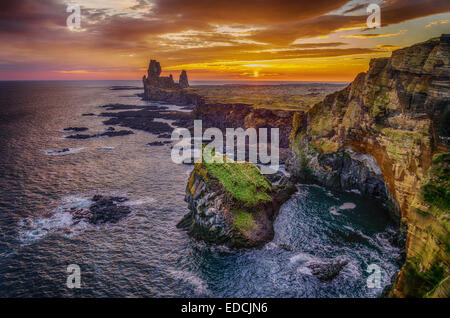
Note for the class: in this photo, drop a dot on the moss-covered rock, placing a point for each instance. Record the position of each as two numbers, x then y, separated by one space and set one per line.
232 203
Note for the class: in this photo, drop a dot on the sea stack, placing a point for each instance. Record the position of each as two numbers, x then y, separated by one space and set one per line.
183 82
157 87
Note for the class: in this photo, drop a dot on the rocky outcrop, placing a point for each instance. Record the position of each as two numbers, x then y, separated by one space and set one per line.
110 132
379 136
156 85
104 209
183 82
232 203
327 270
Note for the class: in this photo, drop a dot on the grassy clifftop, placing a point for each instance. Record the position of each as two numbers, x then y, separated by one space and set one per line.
232 202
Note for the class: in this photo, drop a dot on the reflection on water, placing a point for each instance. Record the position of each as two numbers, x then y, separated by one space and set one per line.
42 175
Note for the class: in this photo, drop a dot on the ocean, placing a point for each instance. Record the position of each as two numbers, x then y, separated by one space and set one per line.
144 254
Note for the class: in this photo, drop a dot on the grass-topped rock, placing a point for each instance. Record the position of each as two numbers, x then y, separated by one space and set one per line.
232 203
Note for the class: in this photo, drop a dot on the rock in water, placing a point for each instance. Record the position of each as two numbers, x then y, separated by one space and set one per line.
105 209
232 203
183 82
329 269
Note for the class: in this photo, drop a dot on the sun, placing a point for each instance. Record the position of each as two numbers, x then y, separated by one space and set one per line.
255 74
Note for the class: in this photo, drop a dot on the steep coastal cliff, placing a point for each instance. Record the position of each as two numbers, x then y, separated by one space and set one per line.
386 135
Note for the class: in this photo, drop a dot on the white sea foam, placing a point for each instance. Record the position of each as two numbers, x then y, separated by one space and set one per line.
333 211
35 228
302 257
200 286
60 221
61 152
142 201
347 206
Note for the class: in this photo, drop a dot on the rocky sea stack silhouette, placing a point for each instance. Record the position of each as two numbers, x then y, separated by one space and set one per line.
154 82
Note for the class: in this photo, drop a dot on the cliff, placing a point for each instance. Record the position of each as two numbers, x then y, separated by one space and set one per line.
387 136
232 203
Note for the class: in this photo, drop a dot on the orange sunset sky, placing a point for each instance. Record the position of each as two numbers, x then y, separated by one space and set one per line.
299 40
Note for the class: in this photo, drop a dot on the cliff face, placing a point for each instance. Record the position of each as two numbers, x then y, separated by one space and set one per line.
379 136
245 116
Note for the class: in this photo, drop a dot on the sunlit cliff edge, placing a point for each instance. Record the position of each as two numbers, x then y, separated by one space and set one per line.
387 136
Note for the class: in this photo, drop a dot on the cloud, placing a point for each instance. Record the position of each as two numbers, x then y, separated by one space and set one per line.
121 35
249 11
429 25
356 8
374 35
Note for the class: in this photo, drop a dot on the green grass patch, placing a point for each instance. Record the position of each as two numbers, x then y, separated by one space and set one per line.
244 221
242 180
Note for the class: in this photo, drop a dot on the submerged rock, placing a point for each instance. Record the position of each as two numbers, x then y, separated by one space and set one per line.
232 203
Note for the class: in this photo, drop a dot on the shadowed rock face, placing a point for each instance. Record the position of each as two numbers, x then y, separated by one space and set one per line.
379 135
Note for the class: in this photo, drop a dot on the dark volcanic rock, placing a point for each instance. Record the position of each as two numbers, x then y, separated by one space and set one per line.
108 133
159 143
124 88
105 209
59 151
144 120
329 269
88 114
126 107
165 135
75 129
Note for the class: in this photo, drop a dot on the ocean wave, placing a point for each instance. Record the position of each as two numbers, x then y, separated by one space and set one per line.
200 286
347 206
142 201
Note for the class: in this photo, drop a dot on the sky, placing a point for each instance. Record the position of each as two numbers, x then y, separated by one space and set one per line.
232 40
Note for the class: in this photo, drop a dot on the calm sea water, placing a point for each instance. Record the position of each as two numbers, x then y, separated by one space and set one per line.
145 255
